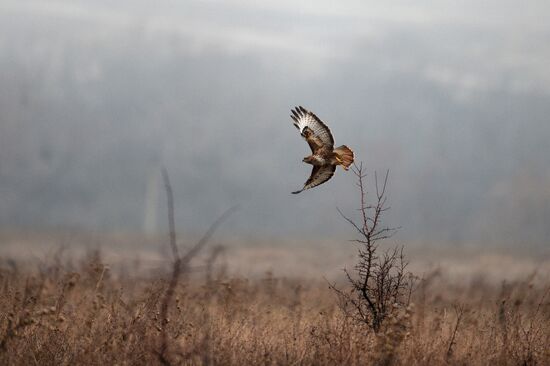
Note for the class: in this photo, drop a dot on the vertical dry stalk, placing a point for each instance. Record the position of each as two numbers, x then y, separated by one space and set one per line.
216 252
176 269
459 311
180 263
171 217
503 322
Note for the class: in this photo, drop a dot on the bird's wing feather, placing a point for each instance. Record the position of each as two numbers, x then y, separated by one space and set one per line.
314 142
304 118
319 175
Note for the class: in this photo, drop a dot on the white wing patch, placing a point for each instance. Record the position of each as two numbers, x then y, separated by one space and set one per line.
304 118
319 175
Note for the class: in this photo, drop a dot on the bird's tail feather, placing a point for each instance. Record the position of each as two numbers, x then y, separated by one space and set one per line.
345 155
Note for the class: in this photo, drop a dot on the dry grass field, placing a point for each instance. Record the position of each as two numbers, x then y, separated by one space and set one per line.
66 311
192 307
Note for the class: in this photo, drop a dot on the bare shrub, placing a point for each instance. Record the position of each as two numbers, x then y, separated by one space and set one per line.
380 282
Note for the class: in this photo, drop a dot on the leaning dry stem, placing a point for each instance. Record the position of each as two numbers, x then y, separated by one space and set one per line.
180 263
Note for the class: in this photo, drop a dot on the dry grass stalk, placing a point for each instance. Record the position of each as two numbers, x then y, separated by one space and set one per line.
180 264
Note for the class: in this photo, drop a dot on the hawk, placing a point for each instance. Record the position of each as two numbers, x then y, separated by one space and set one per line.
324 157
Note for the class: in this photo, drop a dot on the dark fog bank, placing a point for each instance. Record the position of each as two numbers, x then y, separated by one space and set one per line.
96 98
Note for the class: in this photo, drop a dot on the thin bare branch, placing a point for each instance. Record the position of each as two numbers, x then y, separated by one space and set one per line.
171 216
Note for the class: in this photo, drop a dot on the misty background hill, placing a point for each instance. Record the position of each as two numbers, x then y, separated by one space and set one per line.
453 98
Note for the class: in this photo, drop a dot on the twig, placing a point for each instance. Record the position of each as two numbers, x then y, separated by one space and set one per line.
459 310
171 218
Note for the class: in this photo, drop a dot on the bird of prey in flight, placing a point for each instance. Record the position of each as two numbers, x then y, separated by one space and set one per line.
324 157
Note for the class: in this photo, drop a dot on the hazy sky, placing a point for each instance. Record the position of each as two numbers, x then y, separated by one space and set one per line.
452 97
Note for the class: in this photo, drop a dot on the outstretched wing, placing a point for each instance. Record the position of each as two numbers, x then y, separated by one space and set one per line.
314 142
319 175
305 120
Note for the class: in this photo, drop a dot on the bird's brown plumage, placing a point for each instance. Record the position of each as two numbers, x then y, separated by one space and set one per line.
324 157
